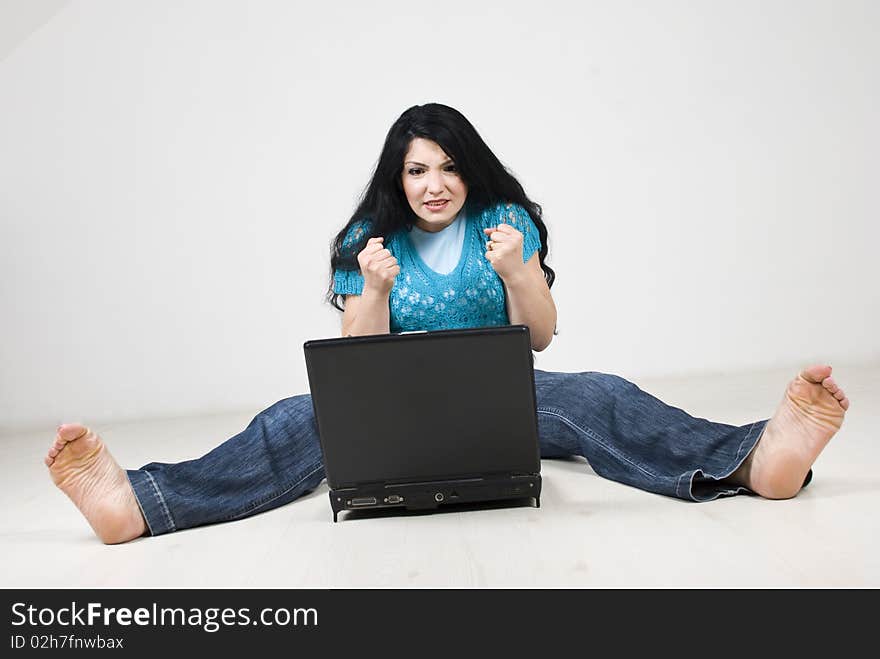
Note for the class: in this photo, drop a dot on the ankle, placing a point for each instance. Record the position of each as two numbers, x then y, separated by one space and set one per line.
742 476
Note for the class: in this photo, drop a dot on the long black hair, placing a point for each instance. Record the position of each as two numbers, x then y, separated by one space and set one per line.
384 202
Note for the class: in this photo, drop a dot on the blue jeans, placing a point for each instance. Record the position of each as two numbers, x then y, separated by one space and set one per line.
625 434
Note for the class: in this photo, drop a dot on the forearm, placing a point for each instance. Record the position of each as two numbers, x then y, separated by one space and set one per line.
530 303
373 315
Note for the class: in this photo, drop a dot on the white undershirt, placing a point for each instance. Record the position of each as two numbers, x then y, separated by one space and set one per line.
441 250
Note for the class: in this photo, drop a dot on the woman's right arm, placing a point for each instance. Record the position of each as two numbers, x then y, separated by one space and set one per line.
369 313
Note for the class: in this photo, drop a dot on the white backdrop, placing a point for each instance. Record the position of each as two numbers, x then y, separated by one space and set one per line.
172 173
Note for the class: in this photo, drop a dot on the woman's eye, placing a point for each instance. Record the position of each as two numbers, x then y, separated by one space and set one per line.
414 171
451 168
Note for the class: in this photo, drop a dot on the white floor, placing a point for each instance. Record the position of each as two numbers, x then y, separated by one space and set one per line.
589 532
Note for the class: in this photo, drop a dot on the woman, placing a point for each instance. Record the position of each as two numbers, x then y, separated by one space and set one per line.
413 256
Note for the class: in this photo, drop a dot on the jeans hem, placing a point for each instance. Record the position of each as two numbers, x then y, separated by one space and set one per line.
151 502
721 490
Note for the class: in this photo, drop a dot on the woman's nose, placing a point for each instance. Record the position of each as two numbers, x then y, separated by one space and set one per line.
435 182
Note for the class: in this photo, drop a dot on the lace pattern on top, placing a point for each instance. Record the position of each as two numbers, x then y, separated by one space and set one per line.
472 295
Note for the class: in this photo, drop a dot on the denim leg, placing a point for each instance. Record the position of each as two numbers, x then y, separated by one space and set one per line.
631 437
276 459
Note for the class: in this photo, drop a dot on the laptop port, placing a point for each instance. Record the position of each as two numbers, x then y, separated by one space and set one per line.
438 497
362 501
394 498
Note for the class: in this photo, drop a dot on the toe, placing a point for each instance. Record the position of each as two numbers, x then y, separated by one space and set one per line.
845 403
816 373
71 431
830 384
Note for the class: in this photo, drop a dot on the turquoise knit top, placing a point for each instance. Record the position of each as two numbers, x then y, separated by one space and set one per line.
472 295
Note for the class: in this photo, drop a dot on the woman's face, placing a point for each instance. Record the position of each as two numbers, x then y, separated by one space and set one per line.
432 185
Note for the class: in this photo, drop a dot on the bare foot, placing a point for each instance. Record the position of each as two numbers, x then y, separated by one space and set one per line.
83 468
810 413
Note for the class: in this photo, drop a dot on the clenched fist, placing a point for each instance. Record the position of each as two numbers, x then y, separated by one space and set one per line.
378 266
505 251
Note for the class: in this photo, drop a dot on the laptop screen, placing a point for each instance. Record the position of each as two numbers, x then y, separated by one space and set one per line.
426 406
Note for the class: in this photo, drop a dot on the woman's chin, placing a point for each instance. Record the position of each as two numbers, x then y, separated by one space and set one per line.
435 222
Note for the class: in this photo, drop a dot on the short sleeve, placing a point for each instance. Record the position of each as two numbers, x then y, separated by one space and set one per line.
351 282
517 217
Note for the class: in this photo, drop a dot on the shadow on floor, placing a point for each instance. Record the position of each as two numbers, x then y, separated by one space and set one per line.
352 515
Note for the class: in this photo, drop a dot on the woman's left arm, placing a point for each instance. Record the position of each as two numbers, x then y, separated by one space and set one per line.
529 301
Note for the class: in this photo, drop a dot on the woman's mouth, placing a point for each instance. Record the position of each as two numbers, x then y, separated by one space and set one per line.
436 206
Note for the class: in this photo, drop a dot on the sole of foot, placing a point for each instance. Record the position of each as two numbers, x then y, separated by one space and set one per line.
809 415
81 466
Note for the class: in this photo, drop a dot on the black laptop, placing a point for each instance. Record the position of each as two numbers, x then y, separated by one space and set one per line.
420 420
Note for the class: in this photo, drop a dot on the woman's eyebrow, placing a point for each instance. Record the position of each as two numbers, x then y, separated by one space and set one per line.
413 162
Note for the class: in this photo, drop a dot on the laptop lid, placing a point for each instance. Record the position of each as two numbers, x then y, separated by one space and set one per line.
425 406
